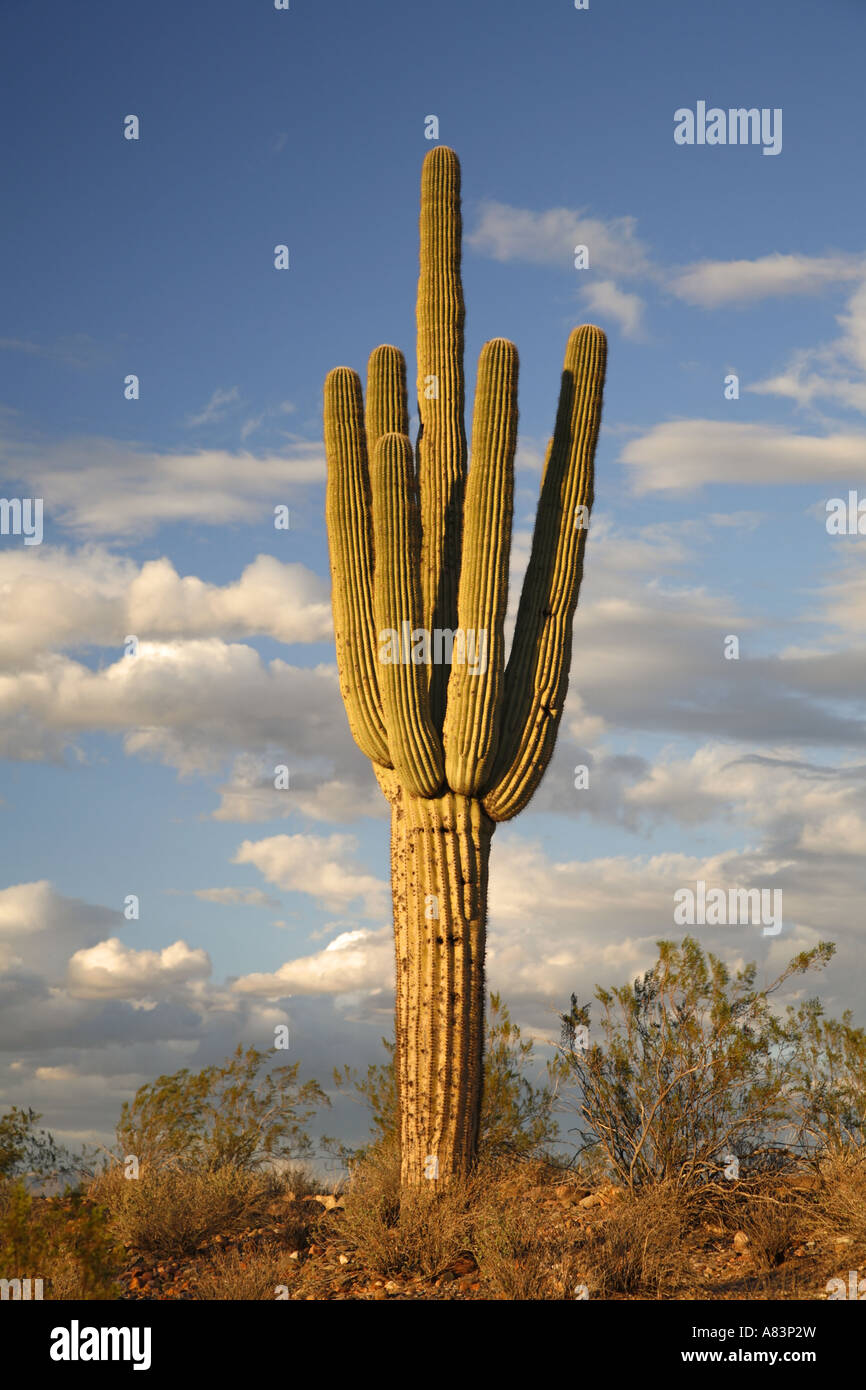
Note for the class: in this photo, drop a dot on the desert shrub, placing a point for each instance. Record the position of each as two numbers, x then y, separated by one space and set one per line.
774 1225
237 1115
637 1249
170 1211
421 1234
830 1062
514 1260
65 1241
242 1276
841 1196
690 1070
31 1153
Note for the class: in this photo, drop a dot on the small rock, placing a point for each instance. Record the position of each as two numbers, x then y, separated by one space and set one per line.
328 1200
295 1255
344 1259
393 1287
570 1195
844 1240
741 1240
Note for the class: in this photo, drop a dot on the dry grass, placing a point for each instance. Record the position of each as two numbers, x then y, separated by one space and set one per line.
636 1248
516 1263
417 1236
841 1201
168 1212
236 1276
774 1227
519 1223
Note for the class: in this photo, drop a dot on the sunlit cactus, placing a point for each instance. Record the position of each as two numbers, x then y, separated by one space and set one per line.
419 548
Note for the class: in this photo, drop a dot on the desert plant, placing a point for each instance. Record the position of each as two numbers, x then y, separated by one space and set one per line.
65 1241
841 1196
830 1060
516 1261
637 1249
31 1153
238 1114
244 1275
517 1119
402 1233
690 1071
419 566
169 1211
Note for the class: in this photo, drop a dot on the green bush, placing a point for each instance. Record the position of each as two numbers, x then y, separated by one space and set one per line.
690 1076
238 1115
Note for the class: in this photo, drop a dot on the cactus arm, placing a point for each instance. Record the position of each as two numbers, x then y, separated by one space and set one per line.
350 541
416 750
440 316
473 712
536 678
387 406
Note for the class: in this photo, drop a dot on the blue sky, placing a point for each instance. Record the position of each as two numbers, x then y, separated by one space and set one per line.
155 257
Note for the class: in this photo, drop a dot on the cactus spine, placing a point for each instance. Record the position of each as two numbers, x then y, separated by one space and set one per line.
417 546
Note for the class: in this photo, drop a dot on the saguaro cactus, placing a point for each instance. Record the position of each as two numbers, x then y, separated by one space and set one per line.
420 548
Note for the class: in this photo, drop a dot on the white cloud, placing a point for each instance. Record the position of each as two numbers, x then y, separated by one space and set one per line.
251 795
111 970
354 962
604 298
188 704
681 455
509 233
55 599
106 487
833 372
216 407
711 284
325 867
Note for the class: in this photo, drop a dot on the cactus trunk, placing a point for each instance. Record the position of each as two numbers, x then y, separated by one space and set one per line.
417 547
440 850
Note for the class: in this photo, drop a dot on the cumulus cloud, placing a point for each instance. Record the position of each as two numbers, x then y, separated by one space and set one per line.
508 233
111 970
354 962
605 299
37 923
85 1019
834 372
55 599
711 284
188 704
682 455
314 790
104 487
325 867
